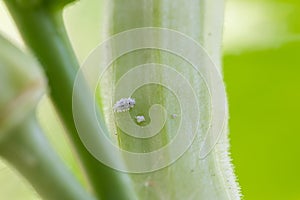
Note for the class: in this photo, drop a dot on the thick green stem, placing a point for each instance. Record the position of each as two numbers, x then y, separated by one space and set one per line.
43 31
189 177
27 149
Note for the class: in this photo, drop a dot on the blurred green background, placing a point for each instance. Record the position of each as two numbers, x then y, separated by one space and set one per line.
261 66
262 74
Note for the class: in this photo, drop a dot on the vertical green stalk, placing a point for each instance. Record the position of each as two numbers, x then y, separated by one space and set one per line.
189 177
40 24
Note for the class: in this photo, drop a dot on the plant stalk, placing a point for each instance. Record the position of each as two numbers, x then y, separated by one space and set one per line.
189 177
22 142
30 153
43 31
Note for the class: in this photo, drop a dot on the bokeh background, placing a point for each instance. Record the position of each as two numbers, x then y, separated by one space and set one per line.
261 66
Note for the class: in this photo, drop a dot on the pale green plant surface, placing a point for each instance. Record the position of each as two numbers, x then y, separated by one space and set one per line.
189 177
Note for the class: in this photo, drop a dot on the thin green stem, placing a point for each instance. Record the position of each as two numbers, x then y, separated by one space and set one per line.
22 142
43 31
27 149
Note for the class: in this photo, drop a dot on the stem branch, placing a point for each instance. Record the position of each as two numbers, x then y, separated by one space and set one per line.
29 152
43 31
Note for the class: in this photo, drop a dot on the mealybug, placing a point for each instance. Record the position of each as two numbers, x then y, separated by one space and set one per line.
124 104
140 119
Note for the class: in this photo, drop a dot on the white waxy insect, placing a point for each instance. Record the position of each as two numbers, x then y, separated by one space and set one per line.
140 119
124 105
